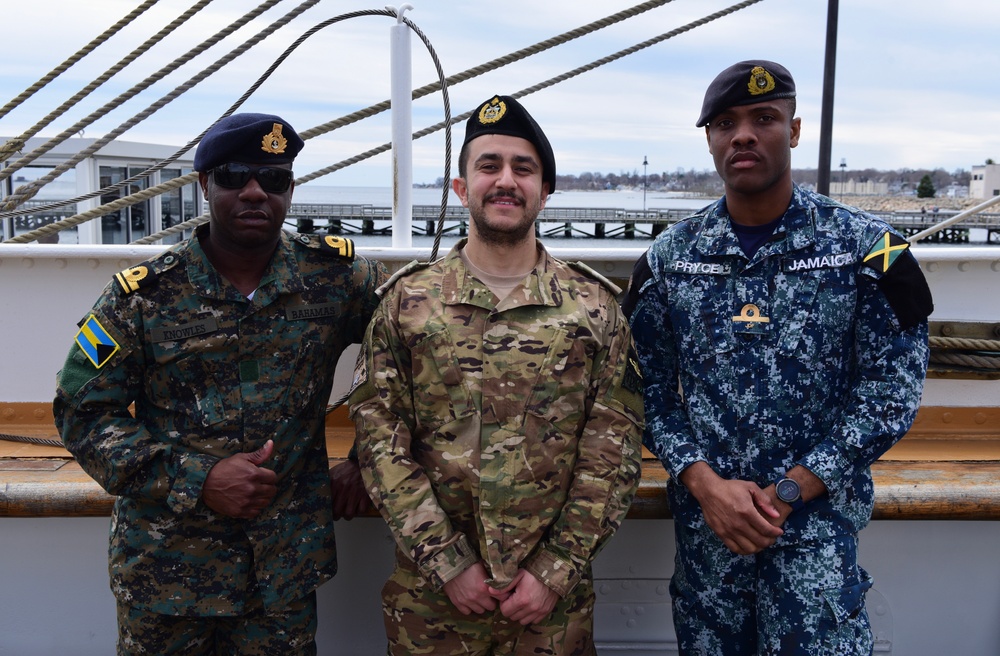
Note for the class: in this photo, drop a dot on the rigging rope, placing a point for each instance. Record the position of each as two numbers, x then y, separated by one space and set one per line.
446 124
368 112
29 190
494 64
192 223
41 441
191 177
61 68
98 81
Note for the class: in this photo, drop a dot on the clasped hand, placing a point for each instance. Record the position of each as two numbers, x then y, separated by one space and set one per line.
526 600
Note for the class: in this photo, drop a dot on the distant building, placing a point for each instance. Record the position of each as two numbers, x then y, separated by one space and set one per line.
985 181
955 191
114 163
854 188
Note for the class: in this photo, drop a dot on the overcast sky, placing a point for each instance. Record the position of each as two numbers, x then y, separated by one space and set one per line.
916 80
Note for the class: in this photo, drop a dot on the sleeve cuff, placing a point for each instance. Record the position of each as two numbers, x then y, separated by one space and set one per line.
192 471
448 563
557 573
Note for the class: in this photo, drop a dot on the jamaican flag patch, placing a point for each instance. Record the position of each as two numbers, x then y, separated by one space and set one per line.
885 251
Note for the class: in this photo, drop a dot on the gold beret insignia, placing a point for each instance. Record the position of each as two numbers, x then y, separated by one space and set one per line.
273 142
492 111
760 81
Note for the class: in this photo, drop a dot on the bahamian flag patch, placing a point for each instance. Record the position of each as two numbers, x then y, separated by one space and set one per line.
884 252
95 342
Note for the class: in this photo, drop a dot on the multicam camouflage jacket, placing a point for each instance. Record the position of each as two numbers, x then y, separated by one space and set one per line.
503 432
813 352
213 374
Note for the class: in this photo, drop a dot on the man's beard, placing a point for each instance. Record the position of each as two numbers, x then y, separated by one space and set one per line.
505 236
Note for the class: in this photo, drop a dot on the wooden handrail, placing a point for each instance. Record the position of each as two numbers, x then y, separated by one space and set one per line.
947 467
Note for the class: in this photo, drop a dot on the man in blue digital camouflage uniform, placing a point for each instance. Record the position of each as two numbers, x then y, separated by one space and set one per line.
783 341
226 344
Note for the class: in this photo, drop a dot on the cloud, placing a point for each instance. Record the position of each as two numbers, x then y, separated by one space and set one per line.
912 88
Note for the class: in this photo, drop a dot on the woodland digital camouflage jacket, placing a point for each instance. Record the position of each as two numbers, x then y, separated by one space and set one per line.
507 432
211 375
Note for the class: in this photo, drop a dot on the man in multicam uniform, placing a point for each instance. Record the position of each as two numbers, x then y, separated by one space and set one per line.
499 414
796 329
226 344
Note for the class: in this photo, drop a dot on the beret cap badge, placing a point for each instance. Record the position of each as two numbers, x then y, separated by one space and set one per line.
492 111
250 138
746 83
273 142
761 81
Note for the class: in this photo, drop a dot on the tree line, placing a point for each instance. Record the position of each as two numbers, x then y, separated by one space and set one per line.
707 181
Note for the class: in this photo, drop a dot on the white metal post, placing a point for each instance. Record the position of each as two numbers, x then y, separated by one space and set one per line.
402 129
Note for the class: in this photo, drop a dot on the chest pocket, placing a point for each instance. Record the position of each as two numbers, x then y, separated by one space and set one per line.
559 389
701 310
188 378
817 310
440 367
305 379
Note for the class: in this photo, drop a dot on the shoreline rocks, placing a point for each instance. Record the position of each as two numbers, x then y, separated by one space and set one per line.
907 203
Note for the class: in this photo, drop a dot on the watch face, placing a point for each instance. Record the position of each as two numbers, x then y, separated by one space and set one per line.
787 490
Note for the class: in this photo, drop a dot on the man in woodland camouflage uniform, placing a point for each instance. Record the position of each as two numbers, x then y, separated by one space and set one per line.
222 527
499 415
796 328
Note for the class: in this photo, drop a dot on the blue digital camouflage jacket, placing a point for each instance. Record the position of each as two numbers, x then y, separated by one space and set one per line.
813 352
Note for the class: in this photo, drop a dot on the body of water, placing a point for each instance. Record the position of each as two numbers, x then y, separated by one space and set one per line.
625 199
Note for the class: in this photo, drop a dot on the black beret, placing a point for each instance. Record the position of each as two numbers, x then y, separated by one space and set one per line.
248 138
746 83
504 115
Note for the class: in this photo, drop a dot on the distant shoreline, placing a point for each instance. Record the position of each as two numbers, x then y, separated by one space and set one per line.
907 203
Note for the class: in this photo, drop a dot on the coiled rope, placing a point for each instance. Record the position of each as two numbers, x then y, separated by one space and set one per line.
965 352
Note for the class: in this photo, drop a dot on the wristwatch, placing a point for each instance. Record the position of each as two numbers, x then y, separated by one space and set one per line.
788 491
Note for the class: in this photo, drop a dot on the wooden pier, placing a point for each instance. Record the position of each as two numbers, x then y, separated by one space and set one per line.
592 222
565 222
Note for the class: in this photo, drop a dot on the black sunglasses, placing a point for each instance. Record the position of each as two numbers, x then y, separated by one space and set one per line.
235 176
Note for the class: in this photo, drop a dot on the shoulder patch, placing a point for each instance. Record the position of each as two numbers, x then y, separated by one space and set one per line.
329 244
586 270
96 342
405 270
885 251
146 274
